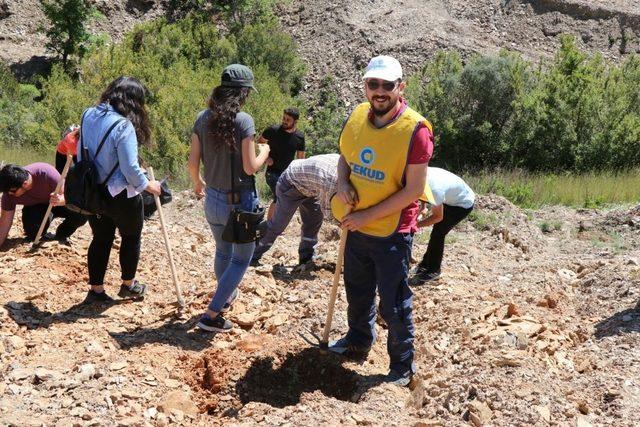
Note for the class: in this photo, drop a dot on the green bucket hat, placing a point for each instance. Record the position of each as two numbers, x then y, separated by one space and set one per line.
237 75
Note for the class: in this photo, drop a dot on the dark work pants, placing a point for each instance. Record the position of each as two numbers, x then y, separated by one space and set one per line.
372 263
432 260
32 218
290 199
126 215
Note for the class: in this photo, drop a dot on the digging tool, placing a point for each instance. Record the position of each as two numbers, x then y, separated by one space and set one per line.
58 190
323 342
174 273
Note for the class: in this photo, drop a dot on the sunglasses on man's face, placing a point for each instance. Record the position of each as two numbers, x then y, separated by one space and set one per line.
387 86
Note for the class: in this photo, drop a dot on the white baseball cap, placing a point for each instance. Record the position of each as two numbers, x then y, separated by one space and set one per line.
383 67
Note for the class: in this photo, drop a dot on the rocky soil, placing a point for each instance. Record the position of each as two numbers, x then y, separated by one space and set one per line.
525 328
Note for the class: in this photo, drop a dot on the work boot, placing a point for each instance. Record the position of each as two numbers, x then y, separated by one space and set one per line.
396 378
346 349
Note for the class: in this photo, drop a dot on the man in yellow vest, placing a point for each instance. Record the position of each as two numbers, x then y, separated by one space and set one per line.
385 147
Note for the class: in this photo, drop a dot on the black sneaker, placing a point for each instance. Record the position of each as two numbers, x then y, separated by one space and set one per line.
255 262
234 296
423 276
219 324
136 290
64 241
306 259
396 378
97 297
346 349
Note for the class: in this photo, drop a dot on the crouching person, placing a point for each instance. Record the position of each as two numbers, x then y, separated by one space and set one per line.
32 187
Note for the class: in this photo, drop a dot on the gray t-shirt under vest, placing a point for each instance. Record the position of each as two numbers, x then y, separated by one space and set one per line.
217 157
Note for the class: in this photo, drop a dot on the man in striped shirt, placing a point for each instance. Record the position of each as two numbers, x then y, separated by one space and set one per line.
307 184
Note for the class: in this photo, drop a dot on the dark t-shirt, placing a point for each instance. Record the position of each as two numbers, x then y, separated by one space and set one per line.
283 147
45 179
217 157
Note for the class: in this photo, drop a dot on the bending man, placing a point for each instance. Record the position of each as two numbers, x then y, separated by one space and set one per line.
307 184
454 201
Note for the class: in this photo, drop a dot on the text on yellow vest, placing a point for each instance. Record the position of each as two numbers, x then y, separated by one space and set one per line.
378 160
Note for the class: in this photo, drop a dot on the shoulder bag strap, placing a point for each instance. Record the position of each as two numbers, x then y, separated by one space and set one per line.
104 139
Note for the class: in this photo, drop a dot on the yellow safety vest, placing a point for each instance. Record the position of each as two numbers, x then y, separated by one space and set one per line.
378 160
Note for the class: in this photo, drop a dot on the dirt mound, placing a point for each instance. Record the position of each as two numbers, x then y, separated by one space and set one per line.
509 223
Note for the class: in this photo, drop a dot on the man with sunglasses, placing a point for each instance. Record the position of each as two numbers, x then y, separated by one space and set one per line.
385 147
32 187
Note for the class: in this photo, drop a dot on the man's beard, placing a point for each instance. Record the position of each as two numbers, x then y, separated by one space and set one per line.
286 127
379 113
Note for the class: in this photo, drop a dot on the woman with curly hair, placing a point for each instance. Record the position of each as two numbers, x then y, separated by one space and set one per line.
223 140
120 120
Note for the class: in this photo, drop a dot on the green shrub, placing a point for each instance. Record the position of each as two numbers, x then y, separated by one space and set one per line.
575 113
179 64
328 116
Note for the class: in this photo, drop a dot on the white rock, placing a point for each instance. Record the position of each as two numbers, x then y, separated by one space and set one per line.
13 343
87 371
151 413
19 374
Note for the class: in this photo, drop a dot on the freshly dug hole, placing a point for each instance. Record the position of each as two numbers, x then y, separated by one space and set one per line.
302 372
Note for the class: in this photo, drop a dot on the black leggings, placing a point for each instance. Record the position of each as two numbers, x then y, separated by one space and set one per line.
61 160
432 259
32 217
125 214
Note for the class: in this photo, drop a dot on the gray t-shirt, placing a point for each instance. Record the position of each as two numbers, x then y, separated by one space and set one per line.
217 157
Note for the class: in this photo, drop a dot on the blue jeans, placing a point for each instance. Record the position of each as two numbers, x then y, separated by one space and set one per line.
370 263
231 259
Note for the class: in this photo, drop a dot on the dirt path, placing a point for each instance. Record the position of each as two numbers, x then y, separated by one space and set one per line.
525 328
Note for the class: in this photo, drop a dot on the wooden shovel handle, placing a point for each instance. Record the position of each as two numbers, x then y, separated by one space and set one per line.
58 189
174 272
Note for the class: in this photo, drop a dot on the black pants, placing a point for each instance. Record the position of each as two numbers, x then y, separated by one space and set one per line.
125 214
61 160
32 218
432 259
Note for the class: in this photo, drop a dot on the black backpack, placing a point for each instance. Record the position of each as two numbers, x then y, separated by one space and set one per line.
83 191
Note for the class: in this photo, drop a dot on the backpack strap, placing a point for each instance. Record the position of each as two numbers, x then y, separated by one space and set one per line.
82 152
104 139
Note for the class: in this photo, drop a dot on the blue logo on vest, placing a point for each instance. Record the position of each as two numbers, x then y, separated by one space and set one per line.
367 156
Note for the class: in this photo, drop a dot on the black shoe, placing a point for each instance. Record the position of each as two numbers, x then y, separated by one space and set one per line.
227 306
97 297
423 276
255 262
64 241
219 324
346 349
136 290
396 378
306 259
